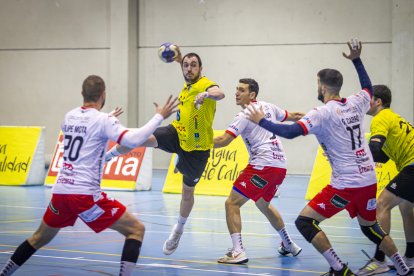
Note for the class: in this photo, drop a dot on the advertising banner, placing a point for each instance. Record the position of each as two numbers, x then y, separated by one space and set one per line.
22 155
222 169
131 171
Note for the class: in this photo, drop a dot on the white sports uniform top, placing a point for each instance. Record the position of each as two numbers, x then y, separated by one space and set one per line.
338 128
265 148
86 132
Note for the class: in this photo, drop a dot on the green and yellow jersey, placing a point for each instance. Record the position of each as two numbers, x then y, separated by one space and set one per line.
399 134
195 126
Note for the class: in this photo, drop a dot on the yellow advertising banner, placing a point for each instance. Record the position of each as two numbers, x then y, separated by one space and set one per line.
17 151
321 174
222 169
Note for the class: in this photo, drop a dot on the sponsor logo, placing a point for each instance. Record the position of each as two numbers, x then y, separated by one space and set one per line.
345 111
67 166
63 180
393 186
243 184
258 181
372 204
180 128
339 202
308 121
364 169
233 127
114 211
53 209
278 156
322 205
360 153
92 214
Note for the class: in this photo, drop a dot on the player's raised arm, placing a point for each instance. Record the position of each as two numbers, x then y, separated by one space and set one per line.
354 55
223 140
135 138
286 131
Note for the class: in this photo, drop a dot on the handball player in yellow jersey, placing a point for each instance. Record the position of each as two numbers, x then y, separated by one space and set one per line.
190 136
392 137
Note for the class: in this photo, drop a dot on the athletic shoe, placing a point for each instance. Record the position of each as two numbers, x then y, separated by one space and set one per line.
345 271
373 267
409 273
171 244
234 257
293 249
409 262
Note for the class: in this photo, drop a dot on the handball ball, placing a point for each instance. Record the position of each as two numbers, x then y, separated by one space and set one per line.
167 52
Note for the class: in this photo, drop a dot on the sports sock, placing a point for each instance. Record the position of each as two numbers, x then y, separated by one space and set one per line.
333 259
379 255
409 250
284 235
180 224
127 268
23 252
237 242
398 261
9 268
129 257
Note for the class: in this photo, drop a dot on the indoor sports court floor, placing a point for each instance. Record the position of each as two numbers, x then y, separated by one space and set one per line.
78 251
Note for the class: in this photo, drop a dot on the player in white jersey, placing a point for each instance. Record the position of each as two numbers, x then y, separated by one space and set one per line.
337 126
261 178
77 193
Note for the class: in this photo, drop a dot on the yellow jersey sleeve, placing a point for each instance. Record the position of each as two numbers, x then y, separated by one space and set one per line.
195 126
399 134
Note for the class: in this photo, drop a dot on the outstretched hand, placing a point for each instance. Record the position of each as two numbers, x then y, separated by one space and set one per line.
178 57
199 98
116 112
169 107
253 113
354 52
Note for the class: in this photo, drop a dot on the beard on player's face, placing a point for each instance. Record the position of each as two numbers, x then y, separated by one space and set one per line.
191 77
320 95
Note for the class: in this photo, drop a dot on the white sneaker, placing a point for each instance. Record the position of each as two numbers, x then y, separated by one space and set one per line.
373 267
234 257
293 249
171 244
409 262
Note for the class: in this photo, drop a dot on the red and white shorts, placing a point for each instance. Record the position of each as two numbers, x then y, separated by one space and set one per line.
357 201
255 183
64 209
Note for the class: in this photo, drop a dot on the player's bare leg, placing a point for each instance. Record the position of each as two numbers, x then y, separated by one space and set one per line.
307 224
186 205
407 213
287 246
236 254
43 235
133 230
385 243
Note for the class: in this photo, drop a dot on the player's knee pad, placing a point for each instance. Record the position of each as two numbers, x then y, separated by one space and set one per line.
308 227
374 233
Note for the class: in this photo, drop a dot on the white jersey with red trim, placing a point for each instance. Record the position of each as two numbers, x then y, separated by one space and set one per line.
338 127
265 148
86 132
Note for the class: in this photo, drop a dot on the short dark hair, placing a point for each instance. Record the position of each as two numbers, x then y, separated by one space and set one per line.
92 88
253 85
382 92
192 55
331 78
